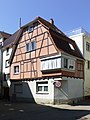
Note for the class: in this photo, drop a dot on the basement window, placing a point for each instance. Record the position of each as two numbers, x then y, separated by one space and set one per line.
42 87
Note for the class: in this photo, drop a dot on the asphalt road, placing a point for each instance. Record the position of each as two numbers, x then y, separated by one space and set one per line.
32 111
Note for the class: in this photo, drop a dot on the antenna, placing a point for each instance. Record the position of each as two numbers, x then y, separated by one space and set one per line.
20 22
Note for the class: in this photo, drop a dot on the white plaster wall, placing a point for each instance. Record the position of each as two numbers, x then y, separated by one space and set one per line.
71 88
29 92
79 41
87 71
6 70
61 93
75 88
1 39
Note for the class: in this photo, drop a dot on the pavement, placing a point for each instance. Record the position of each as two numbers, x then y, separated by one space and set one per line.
32 111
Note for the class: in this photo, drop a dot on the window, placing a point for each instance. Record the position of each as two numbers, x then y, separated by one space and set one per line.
30 28
6 63
88 46
57 63
18 88
49 64
31 46
28 47
80 67
7 76
7 51
16 69
68 64
88 64
65 63
42 87
71 46
71 64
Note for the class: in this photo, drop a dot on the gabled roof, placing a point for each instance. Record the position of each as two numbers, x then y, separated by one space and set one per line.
5 35
61 41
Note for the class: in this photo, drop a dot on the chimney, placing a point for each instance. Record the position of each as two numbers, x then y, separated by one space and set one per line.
52 21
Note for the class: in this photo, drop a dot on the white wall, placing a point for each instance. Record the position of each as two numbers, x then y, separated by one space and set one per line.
1 40
79 41
6 57
87 71
29 92
61 93
75 88
70 89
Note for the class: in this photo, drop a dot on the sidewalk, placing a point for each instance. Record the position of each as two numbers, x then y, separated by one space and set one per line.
83 105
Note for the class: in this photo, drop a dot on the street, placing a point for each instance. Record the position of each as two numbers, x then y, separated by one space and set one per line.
32 111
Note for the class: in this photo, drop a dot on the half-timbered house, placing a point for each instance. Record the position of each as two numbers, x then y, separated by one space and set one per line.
45 65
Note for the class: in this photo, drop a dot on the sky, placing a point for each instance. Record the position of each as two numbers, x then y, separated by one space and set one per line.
67 14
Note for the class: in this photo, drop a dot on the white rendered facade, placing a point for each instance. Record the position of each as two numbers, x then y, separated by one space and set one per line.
6 67
82 38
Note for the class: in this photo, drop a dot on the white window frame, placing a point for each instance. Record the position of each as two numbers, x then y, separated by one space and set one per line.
88 46
18 70
27 47
31 46
7 51
42 85
88 64
30 28
70 63
6 63
51 64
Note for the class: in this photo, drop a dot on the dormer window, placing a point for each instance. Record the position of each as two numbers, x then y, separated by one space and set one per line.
7 51
30 28
33 27
71 46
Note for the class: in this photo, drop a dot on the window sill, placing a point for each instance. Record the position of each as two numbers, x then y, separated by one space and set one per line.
30 51
16 74
42 93
7 54
7 67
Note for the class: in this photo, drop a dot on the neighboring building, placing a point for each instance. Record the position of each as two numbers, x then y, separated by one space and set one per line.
3 37
7 49
82 38
45 65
